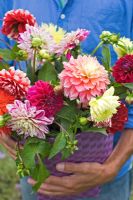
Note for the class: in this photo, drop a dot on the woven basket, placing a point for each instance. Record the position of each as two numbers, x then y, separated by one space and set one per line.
93 147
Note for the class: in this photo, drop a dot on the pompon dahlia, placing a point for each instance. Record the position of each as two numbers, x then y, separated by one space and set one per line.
14 82
5 98
72 39
27 120
83 78
42 96
119 119
15 21
123 69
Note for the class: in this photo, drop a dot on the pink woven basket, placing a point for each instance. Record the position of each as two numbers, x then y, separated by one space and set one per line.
93 147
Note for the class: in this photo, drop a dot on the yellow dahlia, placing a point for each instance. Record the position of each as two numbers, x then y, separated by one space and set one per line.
56 32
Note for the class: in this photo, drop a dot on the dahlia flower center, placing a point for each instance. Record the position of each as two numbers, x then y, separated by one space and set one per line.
88 70
26 124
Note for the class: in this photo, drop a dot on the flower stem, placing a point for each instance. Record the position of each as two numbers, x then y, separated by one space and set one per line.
34 66
98 46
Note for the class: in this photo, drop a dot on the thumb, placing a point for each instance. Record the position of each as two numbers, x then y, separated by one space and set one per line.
71 167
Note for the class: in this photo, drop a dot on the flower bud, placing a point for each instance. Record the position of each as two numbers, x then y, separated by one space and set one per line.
43 54
109 38
58 89
2 121
129 99
22 55
83 121
36 42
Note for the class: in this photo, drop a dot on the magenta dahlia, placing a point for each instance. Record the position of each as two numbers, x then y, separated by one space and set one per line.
123 69
42 96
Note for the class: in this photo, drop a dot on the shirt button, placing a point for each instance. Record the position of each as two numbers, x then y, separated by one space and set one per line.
62 16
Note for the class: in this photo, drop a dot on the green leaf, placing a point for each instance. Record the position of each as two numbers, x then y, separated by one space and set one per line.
128 85
47 73
33 147
66 153
7 54
106 57
28 155
40 174
96 130
58 145
68 113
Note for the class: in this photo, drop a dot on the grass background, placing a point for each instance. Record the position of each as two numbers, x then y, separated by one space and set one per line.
9 181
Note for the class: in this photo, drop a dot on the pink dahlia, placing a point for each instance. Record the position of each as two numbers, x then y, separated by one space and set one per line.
72 39
83 78
15 21
43 96
14 82
123 69
28 120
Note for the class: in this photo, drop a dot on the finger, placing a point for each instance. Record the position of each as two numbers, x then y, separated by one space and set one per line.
60 181
6 139
31 181
73 167
56 194
9 149
80 168
55 188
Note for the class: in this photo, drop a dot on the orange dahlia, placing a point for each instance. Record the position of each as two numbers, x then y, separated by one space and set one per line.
5 98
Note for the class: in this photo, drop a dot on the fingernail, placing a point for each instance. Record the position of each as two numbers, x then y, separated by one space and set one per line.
29 180
60 167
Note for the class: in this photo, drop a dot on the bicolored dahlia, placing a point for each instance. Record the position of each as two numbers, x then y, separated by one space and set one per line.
15 21
43 96
35 35
103 108
123 70
119 119
83 78
27 120
14 82
72 39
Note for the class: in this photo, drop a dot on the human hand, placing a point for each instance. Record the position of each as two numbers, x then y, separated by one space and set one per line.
85 176
9 144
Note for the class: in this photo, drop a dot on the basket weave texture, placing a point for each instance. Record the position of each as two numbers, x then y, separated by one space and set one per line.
93 147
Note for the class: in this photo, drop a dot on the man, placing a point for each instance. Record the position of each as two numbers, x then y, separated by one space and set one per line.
98 15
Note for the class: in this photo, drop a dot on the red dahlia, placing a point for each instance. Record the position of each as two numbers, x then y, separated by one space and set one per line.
118 120
42 96
15 21
123 69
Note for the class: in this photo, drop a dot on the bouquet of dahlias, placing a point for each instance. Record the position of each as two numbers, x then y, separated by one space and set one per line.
62 92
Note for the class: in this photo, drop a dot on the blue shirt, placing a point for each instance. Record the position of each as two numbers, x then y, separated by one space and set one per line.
96 16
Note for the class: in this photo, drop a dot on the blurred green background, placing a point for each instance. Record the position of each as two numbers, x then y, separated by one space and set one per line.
9 181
